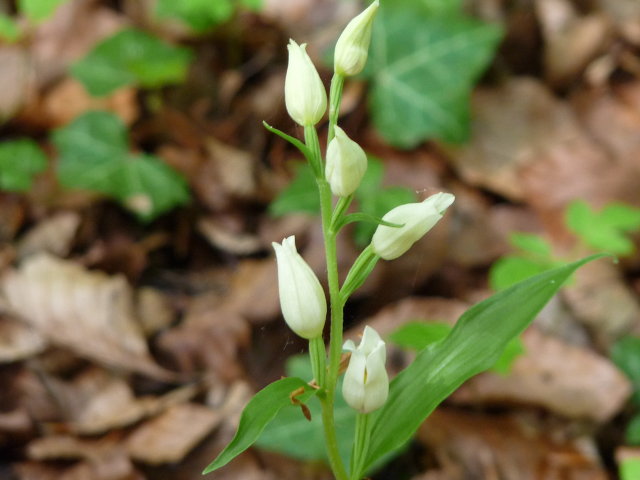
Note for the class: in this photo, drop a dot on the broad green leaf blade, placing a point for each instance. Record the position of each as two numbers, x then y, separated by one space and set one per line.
200 15
131 57
260 410
149 187
38 10
632 434
9 30
422 70
293 435
300 196
429 7
474 345
92 138
20 160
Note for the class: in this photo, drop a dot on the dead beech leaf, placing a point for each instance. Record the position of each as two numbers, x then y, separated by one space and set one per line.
86 311
568 380
508 447
17 77
221 236
18 341
52 235
169 437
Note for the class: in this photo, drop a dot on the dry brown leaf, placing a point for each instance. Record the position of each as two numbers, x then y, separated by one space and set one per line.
169 437
154 311
18 341
85 311
508 447
18 80
568 380
52 235
220 235
69 99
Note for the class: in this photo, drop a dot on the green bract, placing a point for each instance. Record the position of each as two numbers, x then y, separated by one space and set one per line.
94 155
131 57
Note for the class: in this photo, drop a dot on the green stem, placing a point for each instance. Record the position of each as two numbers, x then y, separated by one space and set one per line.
361 445
313 144
318 360
335 96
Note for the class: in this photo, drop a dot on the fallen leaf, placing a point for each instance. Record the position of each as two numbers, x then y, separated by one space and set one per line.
568 380
169 437
52 235
18 341
507 446
87 312
219 235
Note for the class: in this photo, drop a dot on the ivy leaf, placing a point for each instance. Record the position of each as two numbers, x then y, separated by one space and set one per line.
604 230
38 10
300 196
20 160
94 156
200 15
131 57
422 69
9 30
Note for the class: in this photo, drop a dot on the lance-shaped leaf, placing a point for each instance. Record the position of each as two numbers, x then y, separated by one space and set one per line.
474 345
260 410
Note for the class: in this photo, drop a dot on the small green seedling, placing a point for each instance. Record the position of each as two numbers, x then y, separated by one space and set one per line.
35 11
20 160
203 15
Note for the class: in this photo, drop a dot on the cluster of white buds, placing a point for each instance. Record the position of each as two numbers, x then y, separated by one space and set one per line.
366 383
303 302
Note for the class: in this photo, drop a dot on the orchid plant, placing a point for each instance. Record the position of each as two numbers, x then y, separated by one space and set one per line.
387 413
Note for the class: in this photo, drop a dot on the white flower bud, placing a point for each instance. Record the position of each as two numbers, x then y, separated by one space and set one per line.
416 218
304 306
346 164
366 383
304 93
352 48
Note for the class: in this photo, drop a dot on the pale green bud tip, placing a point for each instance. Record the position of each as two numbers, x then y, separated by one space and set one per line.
366 383
304 93
346 164
352 48
416 220
302 299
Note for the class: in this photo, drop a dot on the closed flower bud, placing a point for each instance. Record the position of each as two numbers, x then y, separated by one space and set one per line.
352 48
366 383
304 93
346 164
304 306
416 220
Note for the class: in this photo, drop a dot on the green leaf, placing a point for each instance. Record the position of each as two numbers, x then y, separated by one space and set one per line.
38 10
131 57
429 7
422 70
512 269
9 30
630 469
419 335
605 230
200 15
375 201
93 155
260 410
626 355
20 160
255 5
291 434
632 434
475 343
531 243
300 196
